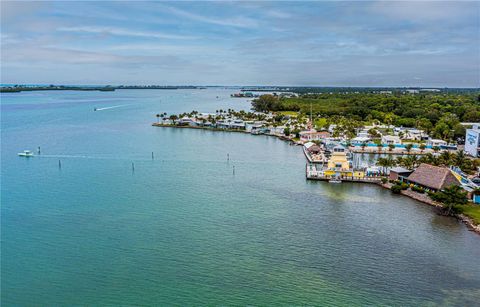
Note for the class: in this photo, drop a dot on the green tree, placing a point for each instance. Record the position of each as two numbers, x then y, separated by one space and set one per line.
459 159
408 148
266 103
422 147
451 198
446 158
373 133
379 147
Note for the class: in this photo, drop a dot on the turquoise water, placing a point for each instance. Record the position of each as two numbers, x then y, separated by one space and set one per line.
182 229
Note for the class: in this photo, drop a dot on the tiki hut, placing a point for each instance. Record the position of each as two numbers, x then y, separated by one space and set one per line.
431 177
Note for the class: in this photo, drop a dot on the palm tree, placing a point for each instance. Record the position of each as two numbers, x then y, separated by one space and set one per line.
158 118
446 158
410 162
460 158
436 149
391 162
415 160
379 147
422 148
408 148
363 146
399 161
429 158
391 147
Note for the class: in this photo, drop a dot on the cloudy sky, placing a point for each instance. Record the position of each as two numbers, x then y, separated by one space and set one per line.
338 43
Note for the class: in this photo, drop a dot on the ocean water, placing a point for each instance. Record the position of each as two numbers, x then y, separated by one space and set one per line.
185 229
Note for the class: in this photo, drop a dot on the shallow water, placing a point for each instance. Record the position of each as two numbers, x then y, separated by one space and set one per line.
182 229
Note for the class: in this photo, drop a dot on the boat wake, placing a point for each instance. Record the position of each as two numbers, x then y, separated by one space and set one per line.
108 108
69 156
93 157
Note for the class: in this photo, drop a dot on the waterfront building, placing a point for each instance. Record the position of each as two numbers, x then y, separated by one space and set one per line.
476 197
436 143
331 128
359 140
313 135
252 126
279 130
363 133
391 140
237 124
472 141
399 173
412 134
186 121
339 166
430 177
338 160
230 123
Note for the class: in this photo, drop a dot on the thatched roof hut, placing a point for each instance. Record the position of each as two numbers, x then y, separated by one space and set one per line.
433 177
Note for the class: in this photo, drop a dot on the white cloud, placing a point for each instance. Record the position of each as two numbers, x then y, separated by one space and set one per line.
123 32
241 22
426 11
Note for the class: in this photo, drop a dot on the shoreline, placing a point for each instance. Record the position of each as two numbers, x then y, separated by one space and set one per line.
286 139
422 198
426 200
106 88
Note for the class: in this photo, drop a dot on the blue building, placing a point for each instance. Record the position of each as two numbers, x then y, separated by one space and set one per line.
472 141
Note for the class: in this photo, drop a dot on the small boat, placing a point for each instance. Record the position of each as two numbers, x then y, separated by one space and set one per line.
335 181
26 153
94 109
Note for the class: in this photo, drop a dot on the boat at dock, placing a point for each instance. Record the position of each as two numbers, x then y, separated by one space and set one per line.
26 153
335 181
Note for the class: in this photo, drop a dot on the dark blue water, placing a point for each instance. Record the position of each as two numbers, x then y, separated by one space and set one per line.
182 229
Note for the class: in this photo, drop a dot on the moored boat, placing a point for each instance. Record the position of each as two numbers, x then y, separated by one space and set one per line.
26 153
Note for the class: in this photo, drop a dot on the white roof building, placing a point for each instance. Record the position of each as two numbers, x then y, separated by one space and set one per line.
391 139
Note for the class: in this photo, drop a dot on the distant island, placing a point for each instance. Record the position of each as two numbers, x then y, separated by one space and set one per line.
245 91
107 88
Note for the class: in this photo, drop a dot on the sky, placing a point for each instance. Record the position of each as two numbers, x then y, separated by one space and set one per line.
321 43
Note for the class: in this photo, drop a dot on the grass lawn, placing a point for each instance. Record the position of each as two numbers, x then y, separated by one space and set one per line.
472 211
321 122
290 113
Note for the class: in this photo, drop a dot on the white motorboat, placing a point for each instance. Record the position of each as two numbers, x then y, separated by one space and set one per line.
335 181
26 153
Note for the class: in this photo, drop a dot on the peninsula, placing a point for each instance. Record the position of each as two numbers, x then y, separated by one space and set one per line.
432 165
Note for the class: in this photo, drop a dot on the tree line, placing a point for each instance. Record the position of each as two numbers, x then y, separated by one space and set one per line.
437 114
